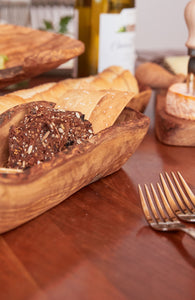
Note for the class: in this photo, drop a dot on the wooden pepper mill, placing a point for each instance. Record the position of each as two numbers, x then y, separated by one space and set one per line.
189 14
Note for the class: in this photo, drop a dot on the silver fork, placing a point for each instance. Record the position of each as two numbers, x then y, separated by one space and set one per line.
158 213
182 204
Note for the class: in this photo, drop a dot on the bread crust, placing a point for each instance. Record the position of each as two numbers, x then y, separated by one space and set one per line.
114 77
105 94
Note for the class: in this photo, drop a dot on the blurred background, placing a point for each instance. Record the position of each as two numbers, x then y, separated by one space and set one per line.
161 33
160 25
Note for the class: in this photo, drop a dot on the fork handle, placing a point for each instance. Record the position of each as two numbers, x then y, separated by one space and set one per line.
189 231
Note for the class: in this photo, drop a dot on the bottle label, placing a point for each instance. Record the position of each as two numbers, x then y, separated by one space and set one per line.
117 40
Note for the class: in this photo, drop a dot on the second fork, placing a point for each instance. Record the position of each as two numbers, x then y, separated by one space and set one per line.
182 204
158 213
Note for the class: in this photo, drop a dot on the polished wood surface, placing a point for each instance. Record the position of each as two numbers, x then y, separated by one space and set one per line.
97 244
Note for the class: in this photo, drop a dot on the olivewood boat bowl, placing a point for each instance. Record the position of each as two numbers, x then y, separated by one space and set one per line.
31 52
27 194
141 100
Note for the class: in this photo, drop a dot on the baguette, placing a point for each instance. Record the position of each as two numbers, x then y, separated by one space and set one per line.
108 109
28 93
9 101
100 107
157 77
114 77
100 98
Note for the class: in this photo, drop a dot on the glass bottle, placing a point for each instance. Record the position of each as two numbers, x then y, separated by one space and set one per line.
83 12
108 32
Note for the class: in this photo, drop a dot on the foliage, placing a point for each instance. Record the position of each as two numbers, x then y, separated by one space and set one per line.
63 25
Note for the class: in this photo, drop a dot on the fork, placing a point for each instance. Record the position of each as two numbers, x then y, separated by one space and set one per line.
158 213
184 208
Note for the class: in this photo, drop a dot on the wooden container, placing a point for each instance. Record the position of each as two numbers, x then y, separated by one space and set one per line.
29 193
31 52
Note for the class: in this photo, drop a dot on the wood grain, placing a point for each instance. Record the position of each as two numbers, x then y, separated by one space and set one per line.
141 100
31 52
172 130
26 195
97 244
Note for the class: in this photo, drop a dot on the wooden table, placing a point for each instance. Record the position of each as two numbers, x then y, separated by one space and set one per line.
96 245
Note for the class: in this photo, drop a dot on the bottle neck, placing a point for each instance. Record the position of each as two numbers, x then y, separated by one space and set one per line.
82 3
118 5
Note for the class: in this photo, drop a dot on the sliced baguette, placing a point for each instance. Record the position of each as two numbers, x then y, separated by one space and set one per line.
114 77
100 98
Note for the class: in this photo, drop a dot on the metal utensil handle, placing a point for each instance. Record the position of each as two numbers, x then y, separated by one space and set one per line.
189 15
189 231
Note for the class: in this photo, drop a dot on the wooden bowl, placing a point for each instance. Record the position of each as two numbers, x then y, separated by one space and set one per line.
27 194
141 100
31 52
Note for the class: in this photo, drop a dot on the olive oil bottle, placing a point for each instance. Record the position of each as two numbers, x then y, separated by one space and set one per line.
83 16
110 38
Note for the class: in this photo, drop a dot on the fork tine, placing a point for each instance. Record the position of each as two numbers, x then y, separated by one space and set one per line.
185 199
179 205
146 211
151 203
162 212
176 204
187 188
167 207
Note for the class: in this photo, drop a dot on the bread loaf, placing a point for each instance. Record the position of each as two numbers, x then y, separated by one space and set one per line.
115 78
9 101
155 76
28 93
100 98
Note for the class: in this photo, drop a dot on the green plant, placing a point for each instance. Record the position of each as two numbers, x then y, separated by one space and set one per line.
63 25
